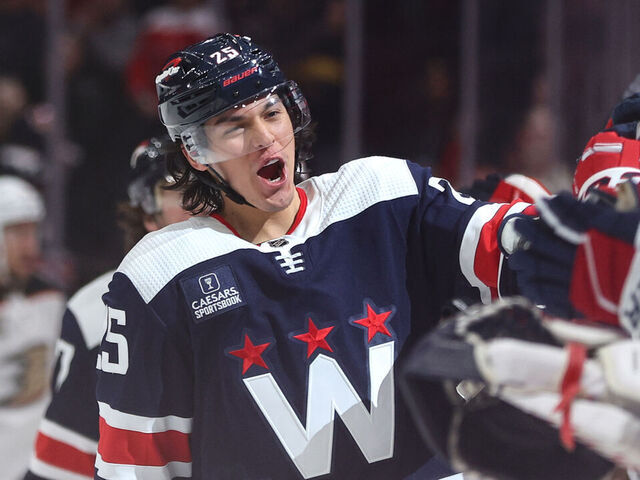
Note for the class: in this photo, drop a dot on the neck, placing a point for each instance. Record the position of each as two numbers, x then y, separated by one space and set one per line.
257 226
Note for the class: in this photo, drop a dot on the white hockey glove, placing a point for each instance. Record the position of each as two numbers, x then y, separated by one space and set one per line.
505 381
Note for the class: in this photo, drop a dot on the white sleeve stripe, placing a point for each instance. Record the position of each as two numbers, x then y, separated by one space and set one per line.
110 471
67 436
137 423
516 208
601 147
471 239
527 185
469 246
50 472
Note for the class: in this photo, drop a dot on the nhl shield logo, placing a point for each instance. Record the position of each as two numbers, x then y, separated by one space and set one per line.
209 283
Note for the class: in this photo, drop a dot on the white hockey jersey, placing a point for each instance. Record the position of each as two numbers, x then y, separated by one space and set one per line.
29 327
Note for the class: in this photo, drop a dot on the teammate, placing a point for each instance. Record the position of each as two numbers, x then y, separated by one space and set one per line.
261 341
481 381
67 439
30 311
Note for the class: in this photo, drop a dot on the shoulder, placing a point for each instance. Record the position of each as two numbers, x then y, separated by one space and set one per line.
391 174
365 181
163 254
88 310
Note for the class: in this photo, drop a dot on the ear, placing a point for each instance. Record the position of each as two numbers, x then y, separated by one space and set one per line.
192 162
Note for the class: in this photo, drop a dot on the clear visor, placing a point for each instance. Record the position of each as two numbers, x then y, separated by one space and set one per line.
255 125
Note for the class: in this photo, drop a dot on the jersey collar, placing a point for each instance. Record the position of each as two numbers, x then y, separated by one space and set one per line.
296 221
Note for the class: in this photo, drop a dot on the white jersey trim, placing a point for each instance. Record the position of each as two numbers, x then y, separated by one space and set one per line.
333 197
357 186
162 254
470 241
136 423
65 435
89 311
48 471
528 185
469 246
110 471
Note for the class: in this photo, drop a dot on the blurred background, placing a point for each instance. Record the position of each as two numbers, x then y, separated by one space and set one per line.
466 86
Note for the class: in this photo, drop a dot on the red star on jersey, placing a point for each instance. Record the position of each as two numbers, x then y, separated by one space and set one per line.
374 322
250 354
315 338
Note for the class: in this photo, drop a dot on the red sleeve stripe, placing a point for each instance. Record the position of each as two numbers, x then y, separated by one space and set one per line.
63 456
65 435
125 447
110 471
480 257
137 423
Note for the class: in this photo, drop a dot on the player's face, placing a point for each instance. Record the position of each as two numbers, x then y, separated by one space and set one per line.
22 247
262 135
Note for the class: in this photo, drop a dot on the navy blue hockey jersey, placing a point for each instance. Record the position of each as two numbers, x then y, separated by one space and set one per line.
225 359
67 439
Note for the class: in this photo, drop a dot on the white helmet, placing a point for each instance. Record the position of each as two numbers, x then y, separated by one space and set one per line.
19 202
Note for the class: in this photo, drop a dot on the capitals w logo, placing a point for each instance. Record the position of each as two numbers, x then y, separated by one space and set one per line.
330 393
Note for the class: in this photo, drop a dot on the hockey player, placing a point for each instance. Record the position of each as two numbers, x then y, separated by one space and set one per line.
68 435
30 311
559 398
261 341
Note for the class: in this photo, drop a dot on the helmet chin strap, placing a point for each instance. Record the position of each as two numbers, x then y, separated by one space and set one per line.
222 185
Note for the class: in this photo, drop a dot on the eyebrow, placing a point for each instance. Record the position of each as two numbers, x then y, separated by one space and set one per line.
236 118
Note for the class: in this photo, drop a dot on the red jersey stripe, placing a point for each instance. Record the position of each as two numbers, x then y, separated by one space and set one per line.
63 456
296 221
149 449
487 254
301 210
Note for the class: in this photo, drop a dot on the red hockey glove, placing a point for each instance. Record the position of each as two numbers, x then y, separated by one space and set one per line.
497 189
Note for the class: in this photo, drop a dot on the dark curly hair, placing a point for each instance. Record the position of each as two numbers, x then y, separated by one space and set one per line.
199 197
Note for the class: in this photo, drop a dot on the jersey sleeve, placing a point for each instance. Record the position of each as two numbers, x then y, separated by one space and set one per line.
67 437
459 237
144 388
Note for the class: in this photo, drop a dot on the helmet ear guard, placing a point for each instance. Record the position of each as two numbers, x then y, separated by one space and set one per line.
191 139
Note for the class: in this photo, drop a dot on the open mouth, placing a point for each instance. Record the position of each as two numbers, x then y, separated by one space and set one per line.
272 171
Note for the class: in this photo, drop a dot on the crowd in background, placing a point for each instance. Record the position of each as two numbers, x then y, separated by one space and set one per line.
412 105
411 91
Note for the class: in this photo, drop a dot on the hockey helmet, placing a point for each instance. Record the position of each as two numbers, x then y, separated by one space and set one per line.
608 159
148 170
208 78
21 203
